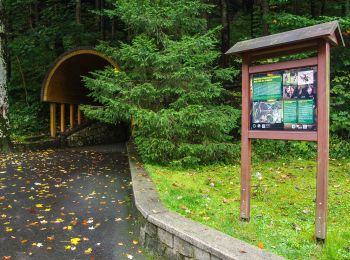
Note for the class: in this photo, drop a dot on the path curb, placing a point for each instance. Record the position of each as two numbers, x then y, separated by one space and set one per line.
172 236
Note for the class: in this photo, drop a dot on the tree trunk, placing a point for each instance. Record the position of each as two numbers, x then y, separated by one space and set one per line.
23 80
296 7
323 7
317 8
313 8
265 11
345 8
98 17
78 11
103 27
112 28
30 18
225 34
36 13
248 6
4 120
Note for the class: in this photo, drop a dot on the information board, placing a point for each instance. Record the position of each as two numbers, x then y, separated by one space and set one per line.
284 100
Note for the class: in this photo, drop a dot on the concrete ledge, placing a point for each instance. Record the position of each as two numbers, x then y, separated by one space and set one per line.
172 236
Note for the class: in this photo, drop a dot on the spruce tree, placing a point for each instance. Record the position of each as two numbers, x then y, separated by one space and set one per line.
169 83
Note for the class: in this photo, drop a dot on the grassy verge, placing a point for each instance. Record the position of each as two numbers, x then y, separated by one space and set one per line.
283 193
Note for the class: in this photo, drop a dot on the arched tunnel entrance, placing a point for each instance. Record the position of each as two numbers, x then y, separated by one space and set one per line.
63 87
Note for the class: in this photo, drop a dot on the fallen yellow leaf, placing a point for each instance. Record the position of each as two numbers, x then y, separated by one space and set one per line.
88 251
58 220
68 228
8 229
75 241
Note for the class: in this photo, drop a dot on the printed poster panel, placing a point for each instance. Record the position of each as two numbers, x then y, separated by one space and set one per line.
267 88
306 111
284 100
267 112
290 112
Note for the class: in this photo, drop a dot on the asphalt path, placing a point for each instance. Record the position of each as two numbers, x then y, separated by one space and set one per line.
67 204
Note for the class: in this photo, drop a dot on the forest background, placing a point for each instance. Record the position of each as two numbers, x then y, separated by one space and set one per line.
40 31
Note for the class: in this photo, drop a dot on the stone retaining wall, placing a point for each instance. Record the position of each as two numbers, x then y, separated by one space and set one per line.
171 236
96 133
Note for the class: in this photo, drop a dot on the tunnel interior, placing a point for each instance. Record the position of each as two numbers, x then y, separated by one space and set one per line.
63 88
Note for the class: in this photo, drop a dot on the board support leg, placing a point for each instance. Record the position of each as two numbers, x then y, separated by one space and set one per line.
53 130
245 179
322 141
71 116
245 144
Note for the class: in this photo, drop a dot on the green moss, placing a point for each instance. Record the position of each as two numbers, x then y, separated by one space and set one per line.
282 206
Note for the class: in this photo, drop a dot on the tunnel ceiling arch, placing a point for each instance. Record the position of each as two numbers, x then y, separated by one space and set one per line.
63 83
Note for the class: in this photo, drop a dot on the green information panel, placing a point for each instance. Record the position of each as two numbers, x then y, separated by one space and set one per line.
284 100
290 114
267 87
305 111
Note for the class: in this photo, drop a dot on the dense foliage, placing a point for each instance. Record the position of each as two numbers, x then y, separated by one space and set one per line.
38 32
169 84
169 57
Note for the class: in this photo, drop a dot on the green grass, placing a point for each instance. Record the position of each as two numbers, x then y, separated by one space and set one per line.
282 206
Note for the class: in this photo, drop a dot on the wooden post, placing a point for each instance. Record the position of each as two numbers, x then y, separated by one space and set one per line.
79 115
322 140
53 119
71 116
63 123
246 143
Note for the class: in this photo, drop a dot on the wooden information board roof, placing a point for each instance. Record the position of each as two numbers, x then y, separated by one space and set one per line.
329 31
63 83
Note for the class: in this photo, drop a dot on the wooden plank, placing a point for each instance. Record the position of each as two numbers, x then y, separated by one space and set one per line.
71 116
315 32
284 135
79 115
53 130
283 65
245 144
284 51
322 140
63 123
334 39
